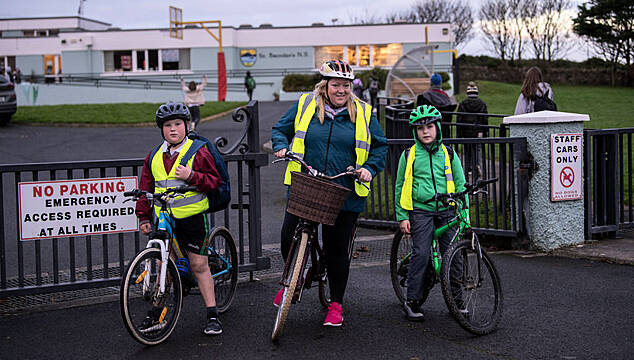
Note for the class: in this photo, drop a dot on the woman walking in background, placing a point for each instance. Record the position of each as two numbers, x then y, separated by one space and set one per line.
194 98
536 95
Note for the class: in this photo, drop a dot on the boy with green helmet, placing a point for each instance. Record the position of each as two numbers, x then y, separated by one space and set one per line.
426 168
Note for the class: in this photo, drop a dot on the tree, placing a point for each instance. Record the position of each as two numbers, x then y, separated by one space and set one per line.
497 25
547 25
609 24
456 12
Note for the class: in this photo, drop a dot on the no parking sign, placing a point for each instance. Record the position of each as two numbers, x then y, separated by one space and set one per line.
566 154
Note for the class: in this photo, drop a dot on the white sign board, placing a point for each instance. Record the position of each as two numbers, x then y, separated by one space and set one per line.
566 169
51 209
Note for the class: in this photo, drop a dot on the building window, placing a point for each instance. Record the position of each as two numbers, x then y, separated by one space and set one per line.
352 54
364 55
386 55
146 60
325 53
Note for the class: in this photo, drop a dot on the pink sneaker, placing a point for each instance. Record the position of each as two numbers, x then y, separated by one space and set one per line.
335 315
278 298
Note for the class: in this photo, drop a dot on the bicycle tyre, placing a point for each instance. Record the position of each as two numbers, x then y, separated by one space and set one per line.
289 291
136 302
224 285
476 302
401 248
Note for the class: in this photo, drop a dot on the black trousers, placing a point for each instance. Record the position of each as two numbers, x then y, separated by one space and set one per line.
337 246
194 110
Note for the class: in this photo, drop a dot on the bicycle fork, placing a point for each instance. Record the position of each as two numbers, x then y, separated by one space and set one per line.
162 272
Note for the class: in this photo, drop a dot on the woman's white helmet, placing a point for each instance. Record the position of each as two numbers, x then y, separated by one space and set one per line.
336 69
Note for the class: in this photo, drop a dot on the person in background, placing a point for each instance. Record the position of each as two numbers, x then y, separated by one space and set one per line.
472 104
249 83
373 89
438 98
532 88
357 88
194 98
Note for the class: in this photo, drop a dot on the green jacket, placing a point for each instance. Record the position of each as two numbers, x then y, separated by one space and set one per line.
429 176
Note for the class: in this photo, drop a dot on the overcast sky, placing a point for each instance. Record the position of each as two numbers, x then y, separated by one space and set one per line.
128 14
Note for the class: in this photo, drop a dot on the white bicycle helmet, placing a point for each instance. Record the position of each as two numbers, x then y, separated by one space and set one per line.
336 69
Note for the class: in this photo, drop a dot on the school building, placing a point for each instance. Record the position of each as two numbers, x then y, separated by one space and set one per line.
100 63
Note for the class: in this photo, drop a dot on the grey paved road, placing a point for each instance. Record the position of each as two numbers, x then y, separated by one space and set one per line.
555 308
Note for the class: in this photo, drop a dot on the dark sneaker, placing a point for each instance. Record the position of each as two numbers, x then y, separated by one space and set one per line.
413 311
214 327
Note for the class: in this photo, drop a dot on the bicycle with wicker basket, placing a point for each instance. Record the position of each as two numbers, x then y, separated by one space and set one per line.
315 200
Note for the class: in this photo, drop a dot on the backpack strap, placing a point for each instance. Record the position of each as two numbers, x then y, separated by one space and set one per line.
191 151
152 154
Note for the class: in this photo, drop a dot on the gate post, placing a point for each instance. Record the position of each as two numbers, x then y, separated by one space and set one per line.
552 221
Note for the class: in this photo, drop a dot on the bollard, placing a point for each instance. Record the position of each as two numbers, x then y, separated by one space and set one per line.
555 190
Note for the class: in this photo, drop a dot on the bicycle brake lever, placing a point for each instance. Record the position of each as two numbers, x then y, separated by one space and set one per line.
481 191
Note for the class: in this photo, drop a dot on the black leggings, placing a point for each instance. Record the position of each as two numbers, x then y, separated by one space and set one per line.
337 241
194 110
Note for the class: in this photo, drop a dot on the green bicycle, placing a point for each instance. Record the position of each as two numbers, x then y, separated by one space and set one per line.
469 281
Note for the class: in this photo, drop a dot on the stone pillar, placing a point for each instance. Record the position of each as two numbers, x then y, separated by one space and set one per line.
553 224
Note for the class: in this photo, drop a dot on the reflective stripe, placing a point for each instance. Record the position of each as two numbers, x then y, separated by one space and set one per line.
180 202
360 144
169 183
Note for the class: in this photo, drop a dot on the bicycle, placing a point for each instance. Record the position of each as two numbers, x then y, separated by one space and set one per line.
470 282
153 285
315 200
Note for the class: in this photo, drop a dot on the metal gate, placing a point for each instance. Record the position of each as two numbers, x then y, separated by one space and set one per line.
608 173
500 212
73 263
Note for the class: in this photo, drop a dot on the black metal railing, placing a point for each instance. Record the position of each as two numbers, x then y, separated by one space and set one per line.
608 174
72 263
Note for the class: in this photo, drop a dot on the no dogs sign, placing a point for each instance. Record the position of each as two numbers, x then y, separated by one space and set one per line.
566 154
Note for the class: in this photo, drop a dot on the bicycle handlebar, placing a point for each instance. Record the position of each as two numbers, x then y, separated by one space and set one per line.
469 189
137 193
291 156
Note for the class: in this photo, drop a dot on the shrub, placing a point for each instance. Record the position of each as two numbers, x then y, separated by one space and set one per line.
300 82
377 72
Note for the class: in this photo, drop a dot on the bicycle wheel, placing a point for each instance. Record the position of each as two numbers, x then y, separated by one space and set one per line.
400 255
471 287
223 263
149 317
295 269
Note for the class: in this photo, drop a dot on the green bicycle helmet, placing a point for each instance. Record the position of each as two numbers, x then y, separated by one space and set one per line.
423 115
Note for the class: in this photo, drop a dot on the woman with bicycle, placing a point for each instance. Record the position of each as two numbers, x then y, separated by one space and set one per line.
427 168
332 129
191 225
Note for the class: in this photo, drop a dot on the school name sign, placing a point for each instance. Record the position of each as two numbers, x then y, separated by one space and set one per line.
50 209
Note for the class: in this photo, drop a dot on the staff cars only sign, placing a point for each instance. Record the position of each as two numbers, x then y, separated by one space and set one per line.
566 154
51 209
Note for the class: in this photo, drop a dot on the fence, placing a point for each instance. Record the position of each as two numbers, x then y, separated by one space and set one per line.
500 212
608 181
72 263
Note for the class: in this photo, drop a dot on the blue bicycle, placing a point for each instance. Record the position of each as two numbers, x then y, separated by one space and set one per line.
153 286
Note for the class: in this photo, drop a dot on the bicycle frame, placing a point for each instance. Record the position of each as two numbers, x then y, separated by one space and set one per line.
310 228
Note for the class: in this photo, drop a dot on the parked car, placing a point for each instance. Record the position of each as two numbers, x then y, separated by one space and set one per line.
8 101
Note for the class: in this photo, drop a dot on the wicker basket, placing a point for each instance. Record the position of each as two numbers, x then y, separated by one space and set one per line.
315 199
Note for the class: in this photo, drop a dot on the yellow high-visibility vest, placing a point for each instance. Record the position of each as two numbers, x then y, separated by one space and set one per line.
406 191
305 111
193 202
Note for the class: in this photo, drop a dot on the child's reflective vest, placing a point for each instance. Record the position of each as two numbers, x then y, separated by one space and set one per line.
406 192
306 109
192 202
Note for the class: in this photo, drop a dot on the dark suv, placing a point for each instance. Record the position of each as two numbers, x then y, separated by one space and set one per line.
8 101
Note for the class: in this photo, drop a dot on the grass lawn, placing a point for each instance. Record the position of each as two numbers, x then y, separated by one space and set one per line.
105 113
608 107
